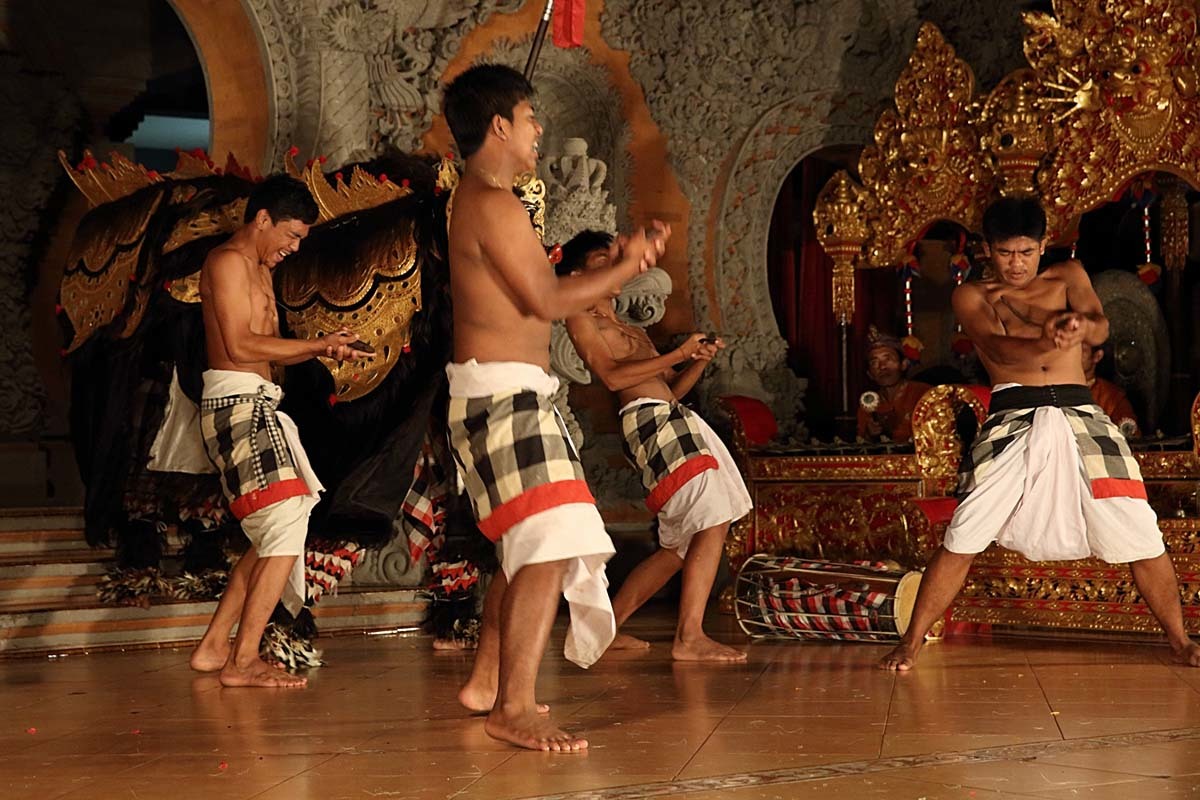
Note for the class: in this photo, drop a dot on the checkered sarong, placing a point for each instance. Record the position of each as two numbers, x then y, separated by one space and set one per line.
1111 469
243 438
663 441
425 503
515 457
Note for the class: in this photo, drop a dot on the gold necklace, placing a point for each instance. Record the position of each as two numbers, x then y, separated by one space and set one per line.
488 178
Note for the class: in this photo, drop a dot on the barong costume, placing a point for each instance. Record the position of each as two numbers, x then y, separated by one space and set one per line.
1051 477
528 491
691 480
264 471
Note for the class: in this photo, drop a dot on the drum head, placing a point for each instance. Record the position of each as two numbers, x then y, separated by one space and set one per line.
906 598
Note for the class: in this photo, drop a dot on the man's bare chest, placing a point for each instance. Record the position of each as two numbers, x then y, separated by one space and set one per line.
625 340
1024 309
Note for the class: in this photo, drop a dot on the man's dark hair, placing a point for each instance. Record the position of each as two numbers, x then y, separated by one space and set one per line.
576 251
283 197
476 96
1010 217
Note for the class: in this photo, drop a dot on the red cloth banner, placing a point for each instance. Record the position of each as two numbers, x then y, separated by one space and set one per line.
568 23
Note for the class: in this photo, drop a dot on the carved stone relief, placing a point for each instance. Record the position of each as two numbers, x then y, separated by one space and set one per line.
350 78
576 104
778 80
40 117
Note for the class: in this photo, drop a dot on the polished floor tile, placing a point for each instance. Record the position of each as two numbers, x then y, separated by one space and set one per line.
981 718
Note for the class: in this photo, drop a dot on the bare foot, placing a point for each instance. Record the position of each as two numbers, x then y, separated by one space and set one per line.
209 657
260 673
453 644
903 658
703 648
1188 655
480 699
531 731
626 642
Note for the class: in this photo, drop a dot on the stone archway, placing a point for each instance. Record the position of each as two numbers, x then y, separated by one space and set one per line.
239 100
779 140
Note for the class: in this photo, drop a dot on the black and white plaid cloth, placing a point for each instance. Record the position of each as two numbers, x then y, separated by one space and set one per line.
244 440
663 441
1111 469
515 457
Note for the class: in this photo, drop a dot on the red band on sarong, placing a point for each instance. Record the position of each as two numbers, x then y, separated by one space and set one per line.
1118 487
665 489
537 499
936 509
259 499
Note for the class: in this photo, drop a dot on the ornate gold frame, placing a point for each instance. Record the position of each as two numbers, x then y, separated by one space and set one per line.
1111 92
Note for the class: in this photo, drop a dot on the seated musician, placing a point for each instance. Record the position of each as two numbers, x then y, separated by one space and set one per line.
887 411
1108 395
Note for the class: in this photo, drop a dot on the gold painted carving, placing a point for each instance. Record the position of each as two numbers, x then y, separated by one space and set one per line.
361 192
103 264
926 163
376 300
104 182
225 219
939 449
1173 236
1014 133
1111 92
842 229
186 289
1121 76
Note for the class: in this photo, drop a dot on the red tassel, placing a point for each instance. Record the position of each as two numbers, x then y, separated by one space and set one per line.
333 400
568 23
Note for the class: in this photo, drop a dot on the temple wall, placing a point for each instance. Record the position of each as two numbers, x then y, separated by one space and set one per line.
700 109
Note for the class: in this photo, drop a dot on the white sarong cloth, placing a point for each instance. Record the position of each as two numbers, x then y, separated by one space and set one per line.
573 532
1036 499
179 444
280 529
712 497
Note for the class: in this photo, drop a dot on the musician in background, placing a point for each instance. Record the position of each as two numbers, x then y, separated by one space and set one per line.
887 410
1109 396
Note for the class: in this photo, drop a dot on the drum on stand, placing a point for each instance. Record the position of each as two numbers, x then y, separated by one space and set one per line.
799 598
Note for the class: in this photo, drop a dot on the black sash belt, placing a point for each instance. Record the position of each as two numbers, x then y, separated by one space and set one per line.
1058 395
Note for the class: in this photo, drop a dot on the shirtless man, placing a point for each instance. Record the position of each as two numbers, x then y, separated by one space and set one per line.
523 476
1049 474
692 482
270 488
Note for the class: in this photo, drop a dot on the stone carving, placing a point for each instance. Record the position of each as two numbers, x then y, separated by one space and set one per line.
751 69
575 101
40 117
390 565
350 78
575 195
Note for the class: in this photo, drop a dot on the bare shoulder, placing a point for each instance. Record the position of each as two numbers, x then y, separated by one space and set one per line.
971 293
225 258
1069 270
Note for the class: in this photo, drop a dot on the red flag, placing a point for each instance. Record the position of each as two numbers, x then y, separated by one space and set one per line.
568 23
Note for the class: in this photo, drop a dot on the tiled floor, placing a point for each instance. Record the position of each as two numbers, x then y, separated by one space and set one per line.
980 719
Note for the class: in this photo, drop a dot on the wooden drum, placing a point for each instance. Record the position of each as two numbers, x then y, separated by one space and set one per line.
797 598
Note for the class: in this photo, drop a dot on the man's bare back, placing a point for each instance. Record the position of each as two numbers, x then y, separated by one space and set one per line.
490 321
